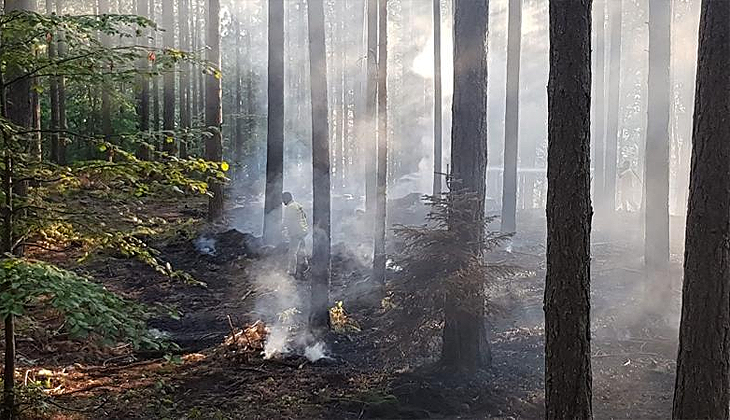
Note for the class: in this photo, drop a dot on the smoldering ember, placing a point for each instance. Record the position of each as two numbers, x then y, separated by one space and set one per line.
350 209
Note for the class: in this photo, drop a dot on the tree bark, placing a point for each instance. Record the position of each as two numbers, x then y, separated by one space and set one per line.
567 285
185 106
599 116
319 317
379 254
437 98
608 200
465 344
703 362
512 118
143 85
656 234
275 122
62 122
213 109
18 98
369 136
106 102
239 120
53 93
156 79
169 143
16 106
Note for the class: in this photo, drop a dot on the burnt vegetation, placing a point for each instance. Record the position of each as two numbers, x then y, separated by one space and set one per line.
356 209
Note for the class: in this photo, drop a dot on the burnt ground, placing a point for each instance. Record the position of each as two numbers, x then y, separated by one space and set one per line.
634 345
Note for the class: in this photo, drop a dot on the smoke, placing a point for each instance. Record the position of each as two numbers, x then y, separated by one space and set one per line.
315 352
281 304
205 246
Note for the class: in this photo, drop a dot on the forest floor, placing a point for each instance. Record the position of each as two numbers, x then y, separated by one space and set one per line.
633 344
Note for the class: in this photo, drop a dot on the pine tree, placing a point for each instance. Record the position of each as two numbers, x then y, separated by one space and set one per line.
213 108
703 377
567 284
321 254
465 344
275 122
512 118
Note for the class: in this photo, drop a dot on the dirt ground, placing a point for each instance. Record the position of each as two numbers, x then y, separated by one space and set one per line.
633 345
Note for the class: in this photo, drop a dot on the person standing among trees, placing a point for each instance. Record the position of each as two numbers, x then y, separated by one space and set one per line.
295 230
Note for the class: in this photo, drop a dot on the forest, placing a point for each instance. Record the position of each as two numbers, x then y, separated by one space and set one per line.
350 209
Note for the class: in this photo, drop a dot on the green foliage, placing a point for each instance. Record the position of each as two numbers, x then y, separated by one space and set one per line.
89 310
434 261
60 196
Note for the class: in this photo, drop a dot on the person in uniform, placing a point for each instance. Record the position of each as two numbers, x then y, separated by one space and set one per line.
295 230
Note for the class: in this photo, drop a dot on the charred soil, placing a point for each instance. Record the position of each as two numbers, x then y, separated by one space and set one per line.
633 348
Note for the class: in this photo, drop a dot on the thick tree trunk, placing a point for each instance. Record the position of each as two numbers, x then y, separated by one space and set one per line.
437 98
319 318
337 93
62 123
239 120
369 127
275 122
512 118
567 285
213 109
184 40
106 102
703 363
155 80
465 344
656 234
143 86
53 93
169 143
379 255
201 78
608 200
599 116
19 109
195 45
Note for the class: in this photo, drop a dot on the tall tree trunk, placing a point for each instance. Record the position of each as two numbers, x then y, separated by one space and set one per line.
53 55
319 318
156 79
599 116
168 80
250 119
143 85
19 109
608 200
184 40
195 46
106 102
465 344
512 118
656 235
61 80
201 79
239 120
275 122
16 106
379 254
568 376
336 109
437 98
213 108
369 131
703 363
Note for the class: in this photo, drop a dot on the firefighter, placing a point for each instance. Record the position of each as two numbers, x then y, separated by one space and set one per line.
295 230
628 183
